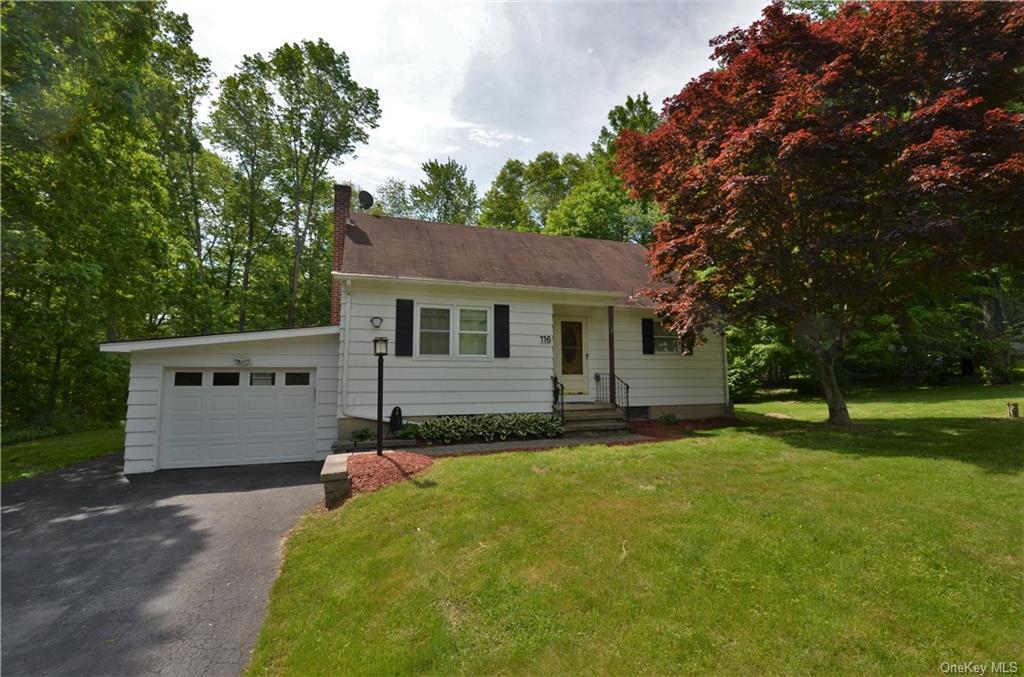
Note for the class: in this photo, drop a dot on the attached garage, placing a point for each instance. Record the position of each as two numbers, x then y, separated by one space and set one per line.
237 417
231 399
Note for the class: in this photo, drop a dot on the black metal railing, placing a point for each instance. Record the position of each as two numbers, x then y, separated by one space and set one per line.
613 390
558 398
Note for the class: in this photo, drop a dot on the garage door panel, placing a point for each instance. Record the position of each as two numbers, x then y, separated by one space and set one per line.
228 402
182 403
211 425
223 426
255 426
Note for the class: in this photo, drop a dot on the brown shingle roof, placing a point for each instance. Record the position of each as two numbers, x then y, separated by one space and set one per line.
407 248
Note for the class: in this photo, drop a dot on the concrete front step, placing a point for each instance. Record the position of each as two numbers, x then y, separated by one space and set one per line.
589 406
595 415
605 426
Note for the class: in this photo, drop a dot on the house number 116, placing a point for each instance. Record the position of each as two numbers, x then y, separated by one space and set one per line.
545 338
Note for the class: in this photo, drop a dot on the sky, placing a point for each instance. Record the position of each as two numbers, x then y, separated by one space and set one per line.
480 82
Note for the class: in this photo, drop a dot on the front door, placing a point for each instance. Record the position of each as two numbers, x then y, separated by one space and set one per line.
571 355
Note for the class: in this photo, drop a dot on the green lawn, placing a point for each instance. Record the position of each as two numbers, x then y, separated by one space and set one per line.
28 459
780 546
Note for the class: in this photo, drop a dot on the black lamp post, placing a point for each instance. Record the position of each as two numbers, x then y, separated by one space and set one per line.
380 349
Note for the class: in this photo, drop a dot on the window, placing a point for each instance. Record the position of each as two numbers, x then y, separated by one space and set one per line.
188 378
665 340
225 378
473 331
261 378
296 378
435 331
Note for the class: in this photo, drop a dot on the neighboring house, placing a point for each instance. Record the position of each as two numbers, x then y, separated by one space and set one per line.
478 321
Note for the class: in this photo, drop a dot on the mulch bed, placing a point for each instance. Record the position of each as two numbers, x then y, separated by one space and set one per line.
662 431
370 472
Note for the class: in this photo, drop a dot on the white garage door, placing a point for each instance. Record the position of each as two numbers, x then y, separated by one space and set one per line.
237 417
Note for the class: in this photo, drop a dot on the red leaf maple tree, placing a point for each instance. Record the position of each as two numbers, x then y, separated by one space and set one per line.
829 170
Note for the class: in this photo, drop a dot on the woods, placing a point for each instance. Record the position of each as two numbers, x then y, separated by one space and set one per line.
128 214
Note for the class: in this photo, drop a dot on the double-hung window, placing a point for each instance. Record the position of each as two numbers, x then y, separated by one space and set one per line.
665 340
473 332
453 331
435 330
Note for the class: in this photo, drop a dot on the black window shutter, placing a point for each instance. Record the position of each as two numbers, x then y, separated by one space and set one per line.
403 327
647 332
501 348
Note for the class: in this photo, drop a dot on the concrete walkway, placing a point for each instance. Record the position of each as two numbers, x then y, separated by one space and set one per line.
527 445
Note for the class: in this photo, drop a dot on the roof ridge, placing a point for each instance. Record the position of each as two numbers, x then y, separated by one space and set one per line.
493 230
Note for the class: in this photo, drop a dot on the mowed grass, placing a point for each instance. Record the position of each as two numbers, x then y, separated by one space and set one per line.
779 546
28 459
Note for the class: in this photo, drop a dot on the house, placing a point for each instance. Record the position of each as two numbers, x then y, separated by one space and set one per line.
478 321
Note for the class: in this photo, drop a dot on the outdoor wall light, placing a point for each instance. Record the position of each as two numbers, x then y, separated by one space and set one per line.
375 322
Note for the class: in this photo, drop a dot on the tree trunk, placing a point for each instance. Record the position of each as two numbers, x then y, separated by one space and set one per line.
837 412
51 399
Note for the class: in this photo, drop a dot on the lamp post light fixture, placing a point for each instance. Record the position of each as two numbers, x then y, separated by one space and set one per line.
380 349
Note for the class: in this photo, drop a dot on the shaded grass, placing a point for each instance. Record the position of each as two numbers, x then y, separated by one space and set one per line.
781 546
28 459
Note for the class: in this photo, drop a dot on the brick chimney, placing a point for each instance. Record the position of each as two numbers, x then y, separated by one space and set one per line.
342 208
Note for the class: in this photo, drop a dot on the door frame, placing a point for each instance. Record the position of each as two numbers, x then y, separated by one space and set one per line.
572 385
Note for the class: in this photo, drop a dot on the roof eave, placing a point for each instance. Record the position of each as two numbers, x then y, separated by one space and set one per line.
597 293
216 339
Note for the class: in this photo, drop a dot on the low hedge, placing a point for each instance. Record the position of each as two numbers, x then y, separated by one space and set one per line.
489 427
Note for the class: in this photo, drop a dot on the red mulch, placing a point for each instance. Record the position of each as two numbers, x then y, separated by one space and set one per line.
370 472
662 431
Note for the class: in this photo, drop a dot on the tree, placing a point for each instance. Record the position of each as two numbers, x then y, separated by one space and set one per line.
446 194
829 171
504 206
242 124
548 180
320 115
392 199
84 205
636 114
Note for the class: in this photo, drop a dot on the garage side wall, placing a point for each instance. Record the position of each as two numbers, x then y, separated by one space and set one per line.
148 370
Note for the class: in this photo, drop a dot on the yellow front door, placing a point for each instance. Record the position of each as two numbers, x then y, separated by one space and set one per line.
571 355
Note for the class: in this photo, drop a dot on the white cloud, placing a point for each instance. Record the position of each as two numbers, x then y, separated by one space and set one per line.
494 137
480 82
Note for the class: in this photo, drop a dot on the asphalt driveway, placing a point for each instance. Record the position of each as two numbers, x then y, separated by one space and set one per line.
163 574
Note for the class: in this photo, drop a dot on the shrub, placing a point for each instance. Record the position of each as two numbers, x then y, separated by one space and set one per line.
489 427
668 419
363 435
28 433
409 431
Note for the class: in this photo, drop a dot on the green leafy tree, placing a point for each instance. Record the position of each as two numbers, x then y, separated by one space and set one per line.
242 125
85 233
446 194
505 206
320 115
392 199
548 181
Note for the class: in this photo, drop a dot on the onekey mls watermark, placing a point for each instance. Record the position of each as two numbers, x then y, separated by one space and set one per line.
978 668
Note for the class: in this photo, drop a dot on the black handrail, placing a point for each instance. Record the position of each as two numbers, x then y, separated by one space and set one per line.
612 389
558 395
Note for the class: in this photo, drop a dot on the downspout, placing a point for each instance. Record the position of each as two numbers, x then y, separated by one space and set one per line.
725 377
344 364
611 355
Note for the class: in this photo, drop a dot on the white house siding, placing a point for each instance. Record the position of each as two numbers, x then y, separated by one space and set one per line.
431 386
659 379
149 369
